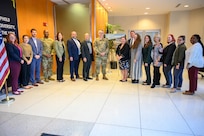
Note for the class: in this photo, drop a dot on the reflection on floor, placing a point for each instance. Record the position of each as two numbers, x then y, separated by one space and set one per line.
104 108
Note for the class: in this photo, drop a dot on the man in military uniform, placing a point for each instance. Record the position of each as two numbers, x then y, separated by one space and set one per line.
101 51
47 56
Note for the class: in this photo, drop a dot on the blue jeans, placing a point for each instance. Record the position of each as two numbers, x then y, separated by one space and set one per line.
178 77
35 70
167 74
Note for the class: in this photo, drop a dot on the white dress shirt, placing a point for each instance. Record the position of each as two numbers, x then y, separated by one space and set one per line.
35 42
78 45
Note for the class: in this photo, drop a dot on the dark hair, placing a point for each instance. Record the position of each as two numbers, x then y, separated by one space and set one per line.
183 37
57 36
25 36
149 42
132 31
199 40
33 29
137 41
124 37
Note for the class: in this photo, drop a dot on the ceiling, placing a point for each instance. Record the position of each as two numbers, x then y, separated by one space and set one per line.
138 7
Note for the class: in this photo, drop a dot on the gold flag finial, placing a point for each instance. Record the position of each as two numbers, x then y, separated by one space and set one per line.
14 4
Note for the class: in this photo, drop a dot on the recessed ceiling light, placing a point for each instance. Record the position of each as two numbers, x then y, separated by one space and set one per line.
106 4
146 13
147 8
109 7
103 0
110 10
186 6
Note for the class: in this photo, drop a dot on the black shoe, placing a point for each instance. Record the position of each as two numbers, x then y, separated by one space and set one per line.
85 79
89 78
135 81
153 86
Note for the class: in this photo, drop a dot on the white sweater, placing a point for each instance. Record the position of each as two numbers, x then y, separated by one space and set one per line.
194 56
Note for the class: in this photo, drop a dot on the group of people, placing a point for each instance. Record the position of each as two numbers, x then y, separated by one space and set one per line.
25 59
131 55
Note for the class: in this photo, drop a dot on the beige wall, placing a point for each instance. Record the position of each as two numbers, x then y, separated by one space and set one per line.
75 17
196 23
177 23
141 23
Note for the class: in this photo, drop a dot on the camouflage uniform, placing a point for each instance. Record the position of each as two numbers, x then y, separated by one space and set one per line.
47 62
101 45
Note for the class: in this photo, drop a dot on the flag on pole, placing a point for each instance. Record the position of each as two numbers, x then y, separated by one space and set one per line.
4 64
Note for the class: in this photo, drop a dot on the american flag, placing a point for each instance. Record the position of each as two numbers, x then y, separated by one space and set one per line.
4 64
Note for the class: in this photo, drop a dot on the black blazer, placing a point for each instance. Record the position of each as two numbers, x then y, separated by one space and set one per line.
13 52
124 52
85 51
168 53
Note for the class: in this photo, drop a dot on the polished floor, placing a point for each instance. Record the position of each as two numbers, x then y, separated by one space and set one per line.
104 108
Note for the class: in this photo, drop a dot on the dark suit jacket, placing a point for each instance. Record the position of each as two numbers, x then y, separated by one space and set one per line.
73 50
13 52
39 46
168 53
85 51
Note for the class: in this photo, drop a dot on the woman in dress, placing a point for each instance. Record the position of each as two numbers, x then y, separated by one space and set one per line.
136 59
122 54
59 47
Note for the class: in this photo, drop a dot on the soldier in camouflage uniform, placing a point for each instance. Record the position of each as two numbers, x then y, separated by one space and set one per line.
47 55
101 51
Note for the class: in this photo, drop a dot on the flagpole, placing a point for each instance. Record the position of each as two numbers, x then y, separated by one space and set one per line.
7 100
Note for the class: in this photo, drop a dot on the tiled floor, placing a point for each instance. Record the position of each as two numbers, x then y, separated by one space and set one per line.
104 108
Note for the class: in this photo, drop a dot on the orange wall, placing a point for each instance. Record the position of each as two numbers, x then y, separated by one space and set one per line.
101 17
32 14
99 20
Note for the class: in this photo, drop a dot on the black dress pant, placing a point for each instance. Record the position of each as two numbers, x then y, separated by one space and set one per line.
148 75
86 68
25 74
60 67
157 76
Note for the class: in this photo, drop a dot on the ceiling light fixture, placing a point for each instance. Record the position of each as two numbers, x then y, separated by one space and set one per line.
146 13
147 8
186 6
